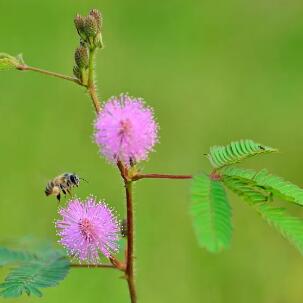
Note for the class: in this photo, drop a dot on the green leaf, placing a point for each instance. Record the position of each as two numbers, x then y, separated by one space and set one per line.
30 277
246 189
270 183
211 214
8 62
290 227
13 256
221 156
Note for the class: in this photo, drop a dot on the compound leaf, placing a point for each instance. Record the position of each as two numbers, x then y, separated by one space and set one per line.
33 275
221 156
290 227
211 214
13 256
265 181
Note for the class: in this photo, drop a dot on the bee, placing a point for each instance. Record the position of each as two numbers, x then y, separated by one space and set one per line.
62 183
123 228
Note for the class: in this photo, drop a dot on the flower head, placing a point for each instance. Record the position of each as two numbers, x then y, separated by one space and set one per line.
87 228
126 130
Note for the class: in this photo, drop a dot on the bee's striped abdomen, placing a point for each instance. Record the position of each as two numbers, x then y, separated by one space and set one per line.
49 188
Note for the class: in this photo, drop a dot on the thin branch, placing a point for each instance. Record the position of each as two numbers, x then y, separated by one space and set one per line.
161 176
48 73
93 266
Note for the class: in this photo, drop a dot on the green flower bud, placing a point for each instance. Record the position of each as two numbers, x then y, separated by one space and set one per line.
77 72
98 41
81 57
90 26
79 24
8 62
81 74
98 17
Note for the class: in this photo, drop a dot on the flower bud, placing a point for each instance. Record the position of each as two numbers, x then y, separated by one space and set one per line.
98 17
81 74
77 72
90 26
98 41
8 62
81 57
79 24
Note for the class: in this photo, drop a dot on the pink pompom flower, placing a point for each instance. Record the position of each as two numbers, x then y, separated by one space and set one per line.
126 130
87 228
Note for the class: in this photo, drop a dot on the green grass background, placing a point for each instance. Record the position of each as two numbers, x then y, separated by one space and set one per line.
214 71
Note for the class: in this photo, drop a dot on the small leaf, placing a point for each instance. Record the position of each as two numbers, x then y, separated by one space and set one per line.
8 62
246 189
211 214
20 59
13 256
268 182
290 227
46 271
221 156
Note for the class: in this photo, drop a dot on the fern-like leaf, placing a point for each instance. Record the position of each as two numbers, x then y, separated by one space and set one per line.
31 276
246 189
290 227
8 256
221 156
270 183
211 214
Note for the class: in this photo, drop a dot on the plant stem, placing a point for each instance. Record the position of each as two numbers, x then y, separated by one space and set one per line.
91 83
115 263
93 266
160 176
130 242
48 73
129 270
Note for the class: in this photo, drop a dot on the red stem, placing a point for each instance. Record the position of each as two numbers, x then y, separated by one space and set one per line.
93 266
130 242
161 176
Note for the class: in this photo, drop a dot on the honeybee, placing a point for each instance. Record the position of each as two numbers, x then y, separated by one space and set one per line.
123 228
62 183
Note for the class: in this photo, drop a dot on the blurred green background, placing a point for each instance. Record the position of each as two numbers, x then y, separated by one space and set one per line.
214 71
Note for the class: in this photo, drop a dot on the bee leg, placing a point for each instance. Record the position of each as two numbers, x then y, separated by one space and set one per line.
58 197
63 189
69 191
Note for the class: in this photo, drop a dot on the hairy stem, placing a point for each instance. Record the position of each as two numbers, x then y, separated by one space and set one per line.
130 242
48 73
91 82
160 176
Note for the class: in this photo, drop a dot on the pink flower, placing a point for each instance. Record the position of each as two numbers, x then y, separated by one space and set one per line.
126 130
87 228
